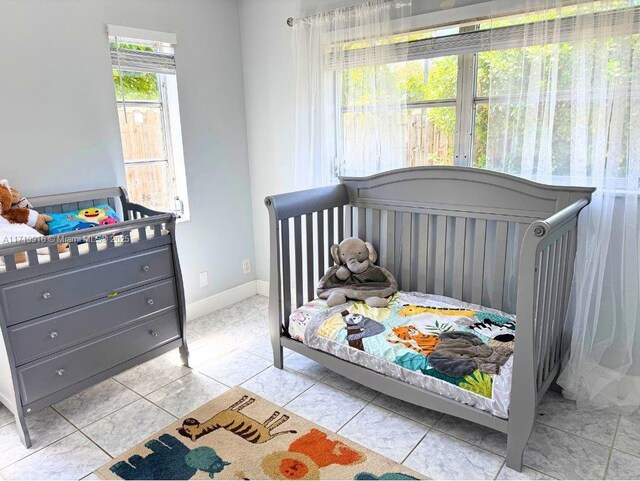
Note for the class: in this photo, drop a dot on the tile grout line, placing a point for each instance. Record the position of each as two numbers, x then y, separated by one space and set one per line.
414 448
576 435
615 434
83 433
100 418
38 450
504 463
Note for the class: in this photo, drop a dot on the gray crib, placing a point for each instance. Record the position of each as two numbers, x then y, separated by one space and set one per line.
479 236
111 300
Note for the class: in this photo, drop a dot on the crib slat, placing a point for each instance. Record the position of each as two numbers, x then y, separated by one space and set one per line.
479 242
558 246
330 232
286 266
73 249
322 249
550 320
375 229
297 240
10 262
423 235
340 224
32 256
542 315
53 253
496 295
309 256
441 255
368 222
142 233
567 270
405 252
69 207
415 244
390 247
348 221
362 223
458 256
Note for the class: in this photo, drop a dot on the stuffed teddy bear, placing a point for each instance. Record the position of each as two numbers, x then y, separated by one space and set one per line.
18 223
355 276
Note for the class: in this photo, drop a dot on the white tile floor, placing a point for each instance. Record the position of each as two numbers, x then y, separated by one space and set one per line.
231 347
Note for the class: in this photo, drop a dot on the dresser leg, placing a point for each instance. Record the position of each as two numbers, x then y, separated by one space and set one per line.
184 355
23 430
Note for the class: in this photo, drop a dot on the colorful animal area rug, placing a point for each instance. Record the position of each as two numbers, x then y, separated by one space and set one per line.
241 436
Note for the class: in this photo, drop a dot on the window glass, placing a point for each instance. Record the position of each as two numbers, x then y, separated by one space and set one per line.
136 86
422 80
500 128
142 132
150 184
430 135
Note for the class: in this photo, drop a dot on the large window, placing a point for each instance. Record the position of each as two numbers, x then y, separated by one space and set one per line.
448 117
146 95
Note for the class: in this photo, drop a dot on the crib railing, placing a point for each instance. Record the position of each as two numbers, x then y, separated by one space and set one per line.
310 222
145 224
546 263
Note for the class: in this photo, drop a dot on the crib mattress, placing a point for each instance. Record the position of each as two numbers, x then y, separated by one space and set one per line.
425 340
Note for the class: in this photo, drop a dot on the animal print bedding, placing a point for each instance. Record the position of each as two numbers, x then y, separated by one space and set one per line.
459 350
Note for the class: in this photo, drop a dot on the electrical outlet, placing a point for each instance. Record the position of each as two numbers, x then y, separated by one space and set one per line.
204 279
246 266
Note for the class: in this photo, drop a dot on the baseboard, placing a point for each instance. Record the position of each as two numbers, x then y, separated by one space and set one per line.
222 299
262 287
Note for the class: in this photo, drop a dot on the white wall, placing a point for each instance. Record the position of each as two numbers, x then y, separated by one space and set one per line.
59 126
269 94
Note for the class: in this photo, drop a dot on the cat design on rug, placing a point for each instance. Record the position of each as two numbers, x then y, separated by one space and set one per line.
232 420
413 339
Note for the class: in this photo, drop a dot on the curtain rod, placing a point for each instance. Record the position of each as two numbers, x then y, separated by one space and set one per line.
291 20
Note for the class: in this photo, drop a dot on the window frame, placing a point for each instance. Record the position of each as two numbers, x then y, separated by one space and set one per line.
177 187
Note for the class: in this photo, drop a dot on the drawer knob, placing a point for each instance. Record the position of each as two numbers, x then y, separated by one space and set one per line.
146 268
153 333
53 334
46 295
150 302
60 372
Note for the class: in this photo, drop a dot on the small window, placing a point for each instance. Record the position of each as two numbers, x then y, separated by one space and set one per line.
146 95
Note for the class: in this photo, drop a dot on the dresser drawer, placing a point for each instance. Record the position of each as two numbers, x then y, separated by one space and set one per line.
47 335
48 294
49 375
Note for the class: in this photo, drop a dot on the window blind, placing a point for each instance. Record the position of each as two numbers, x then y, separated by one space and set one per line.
141 61
533 33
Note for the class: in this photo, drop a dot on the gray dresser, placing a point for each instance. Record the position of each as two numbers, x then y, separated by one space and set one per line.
111 300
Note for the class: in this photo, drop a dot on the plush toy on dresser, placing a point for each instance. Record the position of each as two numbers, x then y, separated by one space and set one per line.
18 222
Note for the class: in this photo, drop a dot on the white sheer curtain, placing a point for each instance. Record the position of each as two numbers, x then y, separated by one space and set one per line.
331 64
569 112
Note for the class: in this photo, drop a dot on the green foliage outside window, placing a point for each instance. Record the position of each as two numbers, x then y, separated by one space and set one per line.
135 85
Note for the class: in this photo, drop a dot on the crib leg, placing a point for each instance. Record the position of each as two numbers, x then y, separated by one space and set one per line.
278 358
517 438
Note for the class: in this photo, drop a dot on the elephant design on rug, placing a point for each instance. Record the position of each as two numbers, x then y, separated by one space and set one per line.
169 459
232 420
